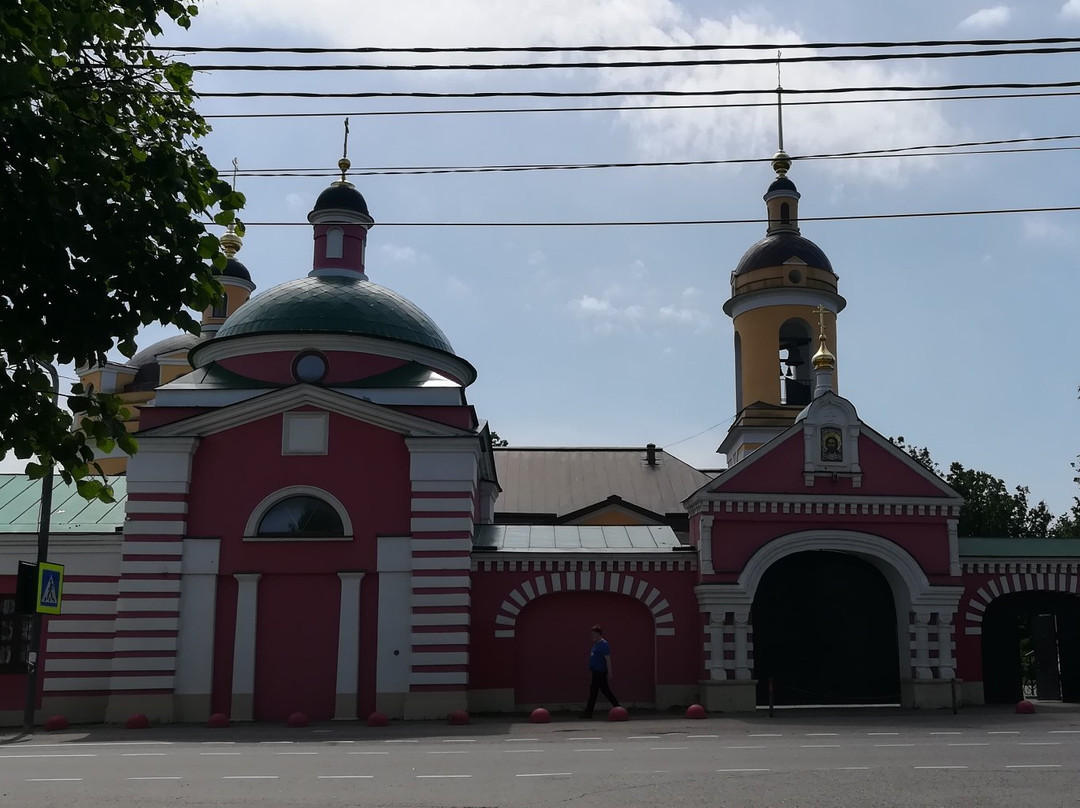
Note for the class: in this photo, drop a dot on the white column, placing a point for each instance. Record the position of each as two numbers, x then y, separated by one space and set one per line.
946 662
243 674
954 547
742 644
705 524
348 649
922 645
195 640
717 668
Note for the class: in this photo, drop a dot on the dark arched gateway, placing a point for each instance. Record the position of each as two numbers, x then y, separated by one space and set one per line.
825 632
1031 638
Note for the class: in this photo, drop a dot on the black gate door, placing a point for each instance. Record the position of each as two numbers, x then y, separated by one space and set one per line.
1045 645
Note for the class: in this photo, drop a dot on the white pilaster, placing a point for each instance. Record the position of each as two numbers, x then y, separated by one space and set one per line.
742 644
946 646
954 547
348 650
921 662
195 639
243 675
717 665
705 525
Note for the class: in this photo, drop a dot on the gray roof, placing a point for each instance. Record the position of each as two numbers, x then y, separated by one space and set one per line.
19 505
576 538
562 481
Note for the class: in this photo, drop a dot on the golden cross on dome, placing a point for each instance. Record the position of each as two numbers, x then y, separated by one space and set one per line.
821 311
343 163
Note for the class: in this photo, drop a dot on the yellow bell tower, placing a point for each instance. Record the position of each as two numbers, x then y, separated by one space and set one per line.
774 290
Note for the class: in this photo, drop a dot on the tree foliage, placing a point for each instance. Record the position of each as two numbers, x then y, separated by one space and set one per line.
103 197
990 509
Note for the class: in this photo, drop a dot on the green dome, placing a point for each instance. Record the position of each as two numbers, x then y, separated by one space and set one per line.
335 305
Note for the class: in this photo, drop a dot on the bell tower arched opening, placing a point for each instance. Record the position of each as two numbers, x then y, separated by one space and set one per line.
796 373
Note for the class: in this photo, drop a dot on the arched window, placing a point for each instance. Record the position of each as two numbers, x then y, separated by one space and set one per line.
335 239
795 348
220 308
301 517
785 213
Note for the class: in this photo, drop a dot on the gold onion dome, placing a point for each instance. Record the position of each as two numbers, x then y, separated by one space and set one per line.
781 163
231 243
824 358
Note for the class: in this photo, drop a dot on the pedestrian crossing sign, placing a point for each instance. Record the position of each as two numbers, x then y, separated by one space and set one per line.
50 588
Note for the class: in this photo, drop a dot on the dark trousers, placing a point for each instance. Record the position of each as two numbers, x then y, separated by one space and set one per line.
599 685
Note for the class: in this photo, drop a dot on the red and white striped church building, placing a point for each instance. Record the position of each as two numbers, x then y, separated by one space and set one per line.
317 521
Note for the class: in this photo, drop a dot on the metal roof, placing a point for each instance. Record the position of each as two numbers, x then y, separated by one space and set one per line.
577 538
1019 548
561 481
20 497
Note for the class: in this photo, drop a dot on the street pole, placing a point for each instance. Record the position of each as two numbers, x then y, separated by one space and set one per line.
44 524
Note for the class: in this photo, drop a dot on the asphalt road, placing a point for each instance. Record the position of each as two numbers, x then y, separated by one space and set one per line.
979 759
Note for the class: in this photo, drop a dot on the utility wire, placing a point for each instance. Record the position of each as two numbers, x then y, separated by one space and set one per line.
722 62
925 43
679 222
632 107
901 151
647 93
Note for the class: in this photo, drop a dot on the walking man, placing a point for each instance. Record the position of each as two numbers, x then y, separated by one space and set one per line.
600 667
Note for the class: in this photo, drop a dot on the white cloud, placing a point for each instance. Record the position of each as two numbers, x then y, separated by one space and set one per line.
607 314
298 202
660 134
1047 230
399 254
694 318
986 18
1071 10
537 258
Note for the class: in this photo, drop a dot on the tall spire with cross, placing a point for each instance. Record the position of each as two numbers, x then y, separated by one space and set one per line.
781 161
230 240
344 164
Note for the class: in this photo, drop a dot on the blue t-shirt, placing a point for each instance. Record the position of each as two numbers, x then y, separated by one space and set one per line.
598 656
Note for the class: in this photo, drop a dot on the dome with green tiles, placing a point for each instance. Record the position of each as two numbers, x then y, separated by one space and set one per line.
336 305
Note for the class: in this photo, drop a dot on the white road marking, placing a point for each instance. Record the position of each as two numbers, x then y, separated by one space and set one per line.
269 742
345 776
54 780
890 745
369 753
853 769
822 734
546 774
1065 732
643 737
1039 743
819 746
724 771
762 746
407 740
217 743
1034 766
57 755
459 740
584 739
296 753
442 776
941 767
521 740
883 733
142 754
946 733
764 735
702 736
983 743
96 743
665 748
250 777
177 777
1003 732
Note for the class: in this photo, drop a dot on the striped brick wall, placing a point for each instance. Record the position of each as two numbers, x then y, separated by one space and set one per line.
79 642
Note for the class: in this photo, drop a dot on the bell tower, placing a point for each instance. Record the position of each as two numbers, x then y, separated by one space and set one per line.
774 290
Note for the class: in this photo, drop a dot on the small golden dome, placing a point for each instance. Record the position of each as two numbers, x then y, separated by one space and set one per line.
781 162
824 359
231 243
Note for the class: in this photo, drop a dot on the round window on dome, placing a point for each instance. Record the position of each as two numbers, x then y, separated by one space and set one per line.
794 276
310 367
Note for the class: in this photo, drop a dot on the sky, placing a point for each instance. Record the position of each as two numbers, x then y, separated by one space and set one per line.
958 331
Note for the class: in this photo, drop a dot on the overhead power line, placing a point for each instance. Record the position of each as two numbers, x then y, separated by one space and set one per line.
924 43
901 151
721 62
645 93
635 107
694 222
